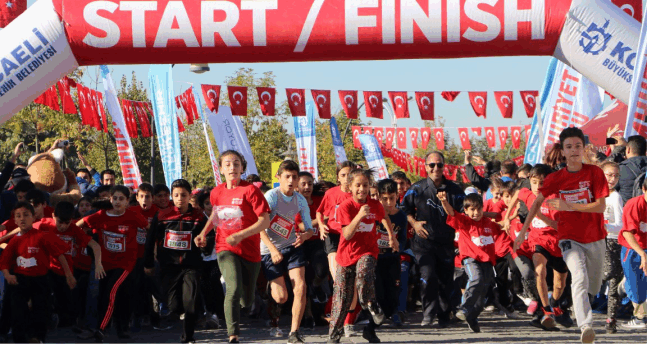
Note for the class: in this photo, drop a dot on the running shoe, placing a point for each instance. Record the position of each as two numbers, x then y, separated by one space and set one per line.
563 317
461 315
426 321
396 320
349 330
635 323
295 337
532 307
369 334
276 332
376 313
473 324
548 319
588 335
611 326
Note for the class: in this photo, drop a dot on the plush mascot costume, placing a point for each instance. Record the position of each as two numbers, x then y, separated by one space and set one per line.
47 175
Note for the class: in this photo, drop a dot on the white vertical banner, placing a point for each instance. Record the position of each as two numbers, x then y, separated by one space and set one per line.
373 156
305 132
337 143
230 135
212 156
637 112
127 160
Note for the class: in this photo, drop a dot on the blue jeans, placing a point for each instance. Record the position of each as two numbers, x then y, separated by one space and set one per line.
91 306
404 286
636 283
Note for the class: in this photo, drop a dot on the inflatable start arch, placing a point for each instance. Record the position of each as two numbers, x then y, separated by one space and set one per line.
53 37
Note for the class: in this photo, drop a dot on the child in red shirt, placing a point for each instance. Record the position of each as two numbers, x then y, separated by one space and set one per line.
477 235
25 263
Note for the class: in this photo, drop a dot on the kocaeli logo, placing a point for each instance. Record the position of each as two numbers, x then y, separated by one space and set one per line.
621 58
595 39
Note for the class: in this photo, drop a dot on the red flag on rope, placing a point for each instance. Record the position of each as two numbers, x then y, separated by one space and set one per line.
425 101
267 100
322 99
349 103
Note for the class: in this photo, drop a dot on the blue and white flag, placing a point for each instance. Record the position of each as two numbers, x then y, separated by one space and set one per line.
337 143
305 132
637 112
373 155
160 79
568 99
230 134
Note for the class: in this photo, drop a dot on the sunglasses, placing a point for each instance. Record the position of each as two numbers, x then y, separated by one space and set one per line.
434 164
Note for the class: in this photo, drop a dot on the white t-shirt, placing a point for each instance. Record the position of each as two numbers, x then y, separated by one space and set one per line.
613 215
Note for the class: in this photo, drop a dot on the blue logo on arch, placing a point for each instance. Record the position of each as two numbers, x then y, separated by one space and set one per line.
595 38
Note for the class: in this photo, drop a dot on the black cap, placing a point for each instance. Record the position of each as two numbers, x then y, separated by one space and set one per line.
19 173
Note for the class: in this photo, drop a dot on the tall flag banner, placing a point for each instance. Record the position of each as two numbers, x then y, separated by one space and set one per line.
390 136
211 94
478 100
637 114
504 101
349 103
212 156
425 134
490 136
379 134
129 169
516 137
567 99
503 135
322 99
238 100
10 10
267 100
464 136
529 99
477 130
439 135
449 95
414 133
373 156
400 104
160 79
229 133
305 132
337 143
402 137
49 98
67 102
356 132
425 101
296 102
373 103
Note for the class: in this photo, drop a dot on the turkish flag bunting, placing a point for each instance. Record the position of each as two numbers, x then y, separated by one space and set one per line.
463 174
94 107
504 101
348 101
211 94
322 99
414 133
516 137
186 102
356 132
503 135
84 105
192 103
400 104
104 118
450 172
238 100
402 137
131 118
48 98
527 128
148 111
465 138
425 101
425 135
124 111
367 130
144 123
478 100
480 170
390 135
529 99
439 134
373 103
296 101
379 134
63 86
180 126
421 168
405 161
267 100
477 130
519 160
184 105
490 136
449 95
10 10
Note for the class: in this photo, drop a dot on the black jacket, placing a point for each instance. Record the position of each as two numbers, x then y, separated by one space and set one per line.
479 182
421 202
174 248
630 169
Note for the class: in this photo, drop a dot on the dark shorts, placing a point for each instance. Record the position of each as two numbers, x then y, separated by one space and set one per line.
331 243
293 257
556 263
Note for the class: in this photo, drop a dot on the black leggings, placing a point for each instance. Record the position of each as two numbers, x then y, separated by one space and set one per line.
25 320
114 298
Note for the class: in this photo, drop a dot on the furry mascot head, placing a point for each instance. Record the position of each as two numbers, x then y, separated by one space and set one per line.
47 175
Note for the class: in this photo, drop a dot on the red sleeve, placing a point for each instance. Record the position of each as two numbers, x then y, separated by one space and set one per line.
54 245
458 221
379 212
345 214
82 239
551 185
297 218
322 206
257 201
142 222
630 219
213 197
600 186
9 225
91 220
7 256
524 194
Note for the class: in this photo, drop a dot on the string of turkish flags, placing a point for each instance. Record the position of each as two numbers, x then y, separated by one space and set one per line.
349 99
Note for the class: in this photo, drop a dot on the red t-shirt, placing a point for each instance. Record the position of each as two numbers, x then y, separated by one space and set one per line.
331 201
74 236
634 221
316 201
236 210
29 254
526 248
117 237
10 225
365 239
476 239
585 186
499 207
142 232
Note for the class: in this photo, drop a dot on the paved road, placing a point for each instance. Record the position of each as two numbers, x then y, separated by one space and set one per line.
495 329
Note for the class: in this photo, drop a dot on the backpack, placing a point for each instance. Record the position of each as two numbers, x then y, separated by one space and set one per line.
639 178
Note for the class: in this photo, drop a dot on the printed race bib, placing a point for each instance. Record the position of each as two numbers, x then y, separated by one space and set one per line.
114 242
481 241
71 242
176 240
228 217
579 196
281 226
365 227
141 236
26 262
383 241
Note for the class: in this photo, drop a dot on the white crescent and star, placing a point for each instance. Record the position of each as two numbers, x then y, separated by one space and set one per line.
476 100
298 96
422 101
370 100
530 99
213 99
269 97
241 96
506 104
347 97
395 100
463 136
321 105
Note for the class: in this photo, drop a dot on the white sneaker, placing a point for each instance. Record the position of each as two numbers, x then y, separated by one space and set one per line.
635 323
489 308
276 332
349 330
588 335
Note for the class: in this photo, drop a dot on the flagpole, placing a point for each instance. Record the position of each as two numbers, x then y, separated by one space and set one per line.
152 179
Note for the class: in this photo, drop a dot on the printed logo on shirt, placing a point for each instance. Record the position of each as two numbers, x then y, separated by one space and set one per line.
26 262
32 250
70 241
487 230
122 229
456 236
482 240
236 201
229 216
585 184
438 207
643 227
141 236
365 227
177 240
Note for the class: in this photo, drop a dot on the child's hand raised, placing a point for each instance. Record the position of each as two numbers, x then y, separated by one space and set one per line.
442 196
364 211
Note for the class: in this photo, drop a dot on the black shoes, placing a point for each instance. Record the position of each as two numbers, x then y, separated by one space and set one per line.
369 334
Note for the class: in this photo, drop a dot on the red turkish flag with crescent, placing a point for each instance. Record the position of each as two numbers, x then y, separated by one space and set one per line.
402 137
400 104
463 174
267 100
211 94
527 128
449 95
421 168
192 103
84 106
296 101
516 137
477 130
67 102
322 99
439 135
504 101
519 160
10 10
425 101
94 108
348 101
180 125
124 110
367 130
631 7
425 135
373 104
450 172
490 136
104 118
379 134
49 98
356 132
183 100
503 135
238 100
464 136
529 99
478 100
390 136
413 134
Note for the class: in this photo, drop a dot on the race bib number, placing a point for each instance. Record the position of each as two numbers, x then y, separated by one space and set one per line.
281 226
365 227
481 241
176 240
383 241
71 242
141 236
579 196
26 262
114 242
228 217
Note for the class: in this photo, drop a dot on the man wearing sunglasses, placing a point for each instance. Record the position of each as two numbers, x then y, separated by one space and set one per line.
433 242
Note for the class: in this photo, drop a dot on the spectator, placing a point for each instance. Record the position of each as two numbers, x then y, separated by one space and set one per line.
84 177
108 177
508 171
8 198
403 184
524 171
633 167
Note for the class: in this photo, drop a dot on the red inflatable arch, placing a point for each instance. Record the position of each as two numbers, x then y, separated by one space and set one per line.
55 36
